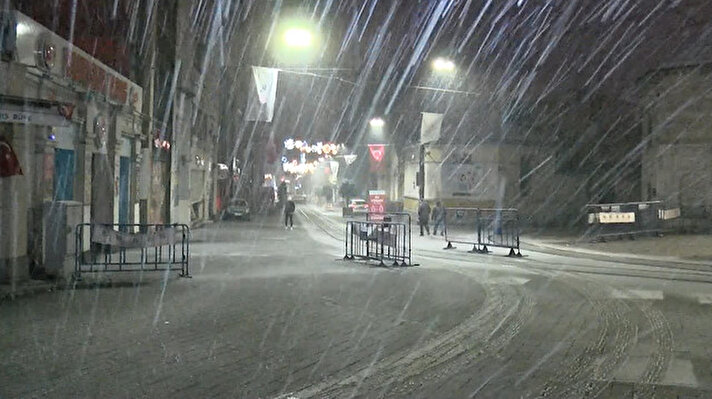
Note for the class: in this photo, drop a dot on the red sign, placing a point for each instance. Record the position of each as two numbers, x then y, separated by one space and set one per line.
377 151
377 204
9 165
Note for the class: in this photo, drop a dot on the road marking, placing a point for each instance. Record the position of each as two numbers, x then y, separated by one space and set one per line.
680 372
638 294
704 299
632 369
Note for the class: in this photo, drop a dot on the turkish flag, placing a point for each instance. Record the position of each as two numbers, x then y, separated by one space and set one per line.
9 165
377 151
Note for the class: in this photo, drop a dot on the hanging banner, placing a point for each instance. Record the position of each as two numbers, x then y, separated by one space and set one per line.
260 104
9 165
430 127
334 167
377 152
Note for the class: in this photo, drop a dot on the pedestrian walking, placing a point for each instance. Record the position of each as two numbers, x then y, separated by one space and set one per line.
424 216
289 209
439 215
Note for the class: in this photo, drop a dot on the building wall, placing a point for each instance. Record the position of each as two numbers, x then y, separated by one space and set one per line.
195 114
55 146
678 155
481 176
677 160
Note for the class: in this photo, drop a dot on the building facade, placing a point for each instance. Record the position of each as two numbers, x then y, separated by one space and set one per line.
74 125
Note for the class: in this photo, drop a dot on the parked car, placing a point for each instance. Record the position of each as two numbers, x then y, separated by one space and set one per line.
238 208
299 198
358 205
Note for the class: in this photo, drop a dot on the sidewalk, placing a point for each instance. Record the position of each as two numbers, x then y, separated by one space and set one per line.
685 248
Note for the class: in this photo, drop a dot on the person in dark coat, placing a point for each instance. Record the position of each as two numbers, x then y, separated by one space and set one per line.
289 209
424 216
439 215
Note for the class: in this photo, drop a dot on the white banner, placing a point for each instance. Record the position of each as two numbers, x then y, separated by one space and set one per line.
334 166
611 217
108 236
430 127
260 104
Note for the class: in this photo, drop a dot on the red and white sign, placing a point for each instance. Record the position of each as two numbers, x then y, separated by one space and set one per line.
377 204
377 151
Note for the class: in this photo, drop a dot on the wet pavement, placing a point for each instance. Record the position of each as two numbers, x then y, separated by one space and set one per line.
277 313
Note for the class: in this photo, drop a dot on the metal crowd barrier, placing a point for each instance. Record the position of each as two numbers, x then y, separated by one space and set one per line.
460 227
399 217
116 248
483 228
629 219
378 240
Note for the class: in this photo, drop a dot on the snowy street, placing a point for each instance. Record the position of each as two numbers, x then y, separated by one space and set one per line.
274 313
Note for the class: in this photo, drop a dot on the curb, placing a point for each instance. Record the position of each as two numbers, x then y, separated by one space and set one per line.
555 249
22 290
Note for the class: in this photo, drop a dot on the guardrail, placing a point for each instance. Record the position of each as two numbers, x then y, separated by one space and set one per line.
629 219
483 228
378 240
116 248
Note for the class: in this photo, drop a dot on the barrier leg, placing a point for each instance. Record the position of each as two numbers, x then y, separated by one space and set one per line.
381 234
346 243
511 253
449 245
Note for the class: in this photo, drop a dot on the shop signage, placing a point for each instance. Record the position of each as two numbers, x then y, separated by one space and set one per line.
377 203
93 77
29 116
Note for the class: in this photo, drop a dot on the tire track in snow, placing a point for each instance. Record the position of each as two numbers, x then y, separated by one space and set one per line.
580 376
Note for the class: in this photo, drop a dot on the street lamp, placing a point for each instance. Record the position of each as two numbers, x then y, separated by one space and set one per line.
297 42
298 37
377 122
443 65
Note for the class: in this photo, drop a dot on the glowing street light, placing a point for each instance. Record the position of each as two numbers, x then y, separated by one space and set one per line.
298 37
443 65
377 122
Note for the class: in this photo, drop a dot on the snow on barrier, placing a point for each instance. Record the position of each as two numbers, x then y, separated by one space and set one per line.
483 228
382 241
628 219
118 248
